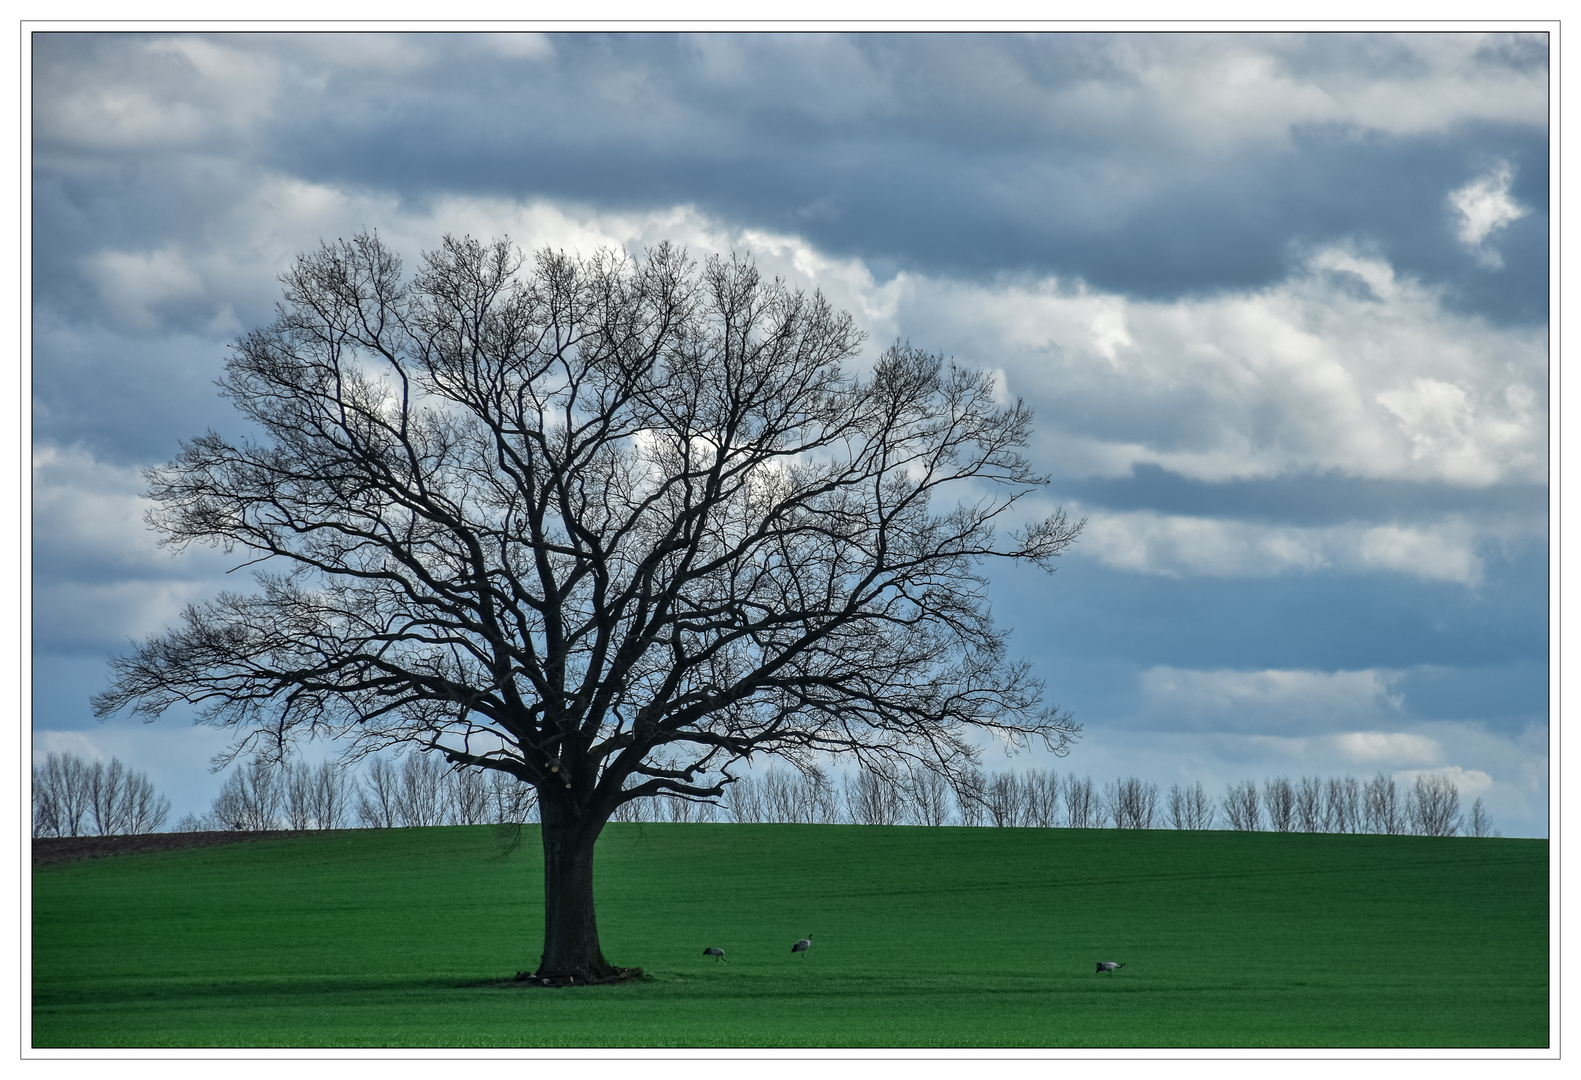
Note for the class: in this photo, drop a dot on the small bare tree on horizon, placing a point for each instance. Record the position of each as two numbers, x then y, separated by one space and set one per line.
1381 808
1130 803
1311 808
1434 806
929 800
1190 808
1343 805
1481 822
1081 804
875 795
1279 804
1242 808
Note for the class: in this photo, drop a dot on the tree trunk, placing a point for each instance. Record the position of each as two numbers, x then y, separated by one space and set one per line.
570 929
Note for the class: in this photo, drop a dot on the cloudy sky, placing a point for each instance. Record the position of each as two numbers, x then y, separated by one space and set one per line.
1280 305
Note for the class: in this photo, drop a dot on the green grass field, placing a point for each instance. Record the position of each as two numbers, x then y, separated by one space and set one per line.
922 938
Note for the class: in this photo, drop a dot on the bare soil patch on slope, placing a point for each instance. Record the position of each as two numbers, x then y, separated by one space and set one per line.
49 850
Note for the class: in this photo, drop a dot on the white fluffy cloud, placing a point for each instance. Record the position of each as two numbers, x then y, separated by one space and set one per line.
157 92
1484 206
1388 747
234 263
1289 702
1343 367
1180 546
104 578
519 46
88 511
137 288
1220 91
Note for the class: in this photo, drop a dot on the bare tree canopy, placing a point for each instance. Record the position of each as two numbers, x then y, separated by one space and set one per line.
607 525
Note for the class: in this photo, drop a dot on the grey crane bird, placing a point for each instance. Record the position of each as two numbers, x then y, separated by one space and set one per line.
1108 965
719 954
803 945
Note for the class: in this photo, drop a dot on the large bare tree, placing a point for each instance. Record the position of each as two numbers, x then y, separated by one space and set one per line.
608 525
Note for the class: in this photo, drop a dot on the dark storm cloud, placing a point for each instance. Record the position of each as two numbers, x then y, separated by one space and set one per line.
926 207
1323 499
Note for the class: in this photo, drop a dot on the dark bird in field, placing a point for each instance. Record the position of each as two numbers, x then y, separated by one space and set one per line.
1108 965
711 951
803 945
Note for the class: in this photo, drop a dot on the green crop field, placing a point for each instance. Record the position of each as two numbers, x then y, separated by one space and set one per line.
946 937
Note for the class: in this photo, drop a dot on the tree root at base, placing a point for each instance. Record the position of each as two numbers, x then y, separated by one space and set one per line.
556 982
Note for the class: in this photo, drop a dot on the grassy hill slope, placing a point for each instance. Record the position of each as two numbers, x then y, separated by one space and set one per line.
946 937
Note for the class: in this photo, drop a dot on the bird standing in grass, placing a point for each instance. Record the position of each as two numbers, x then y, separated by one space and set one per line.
1108 965
803 945
719 954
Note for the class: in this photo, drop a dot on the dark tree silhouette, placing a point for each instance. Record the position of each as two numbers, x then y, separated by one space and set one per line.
607 525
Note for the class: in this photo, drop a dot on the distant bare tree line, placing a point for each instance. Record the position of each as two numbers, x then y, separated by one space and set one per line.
73 797
420 790
1034 798
1429 806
